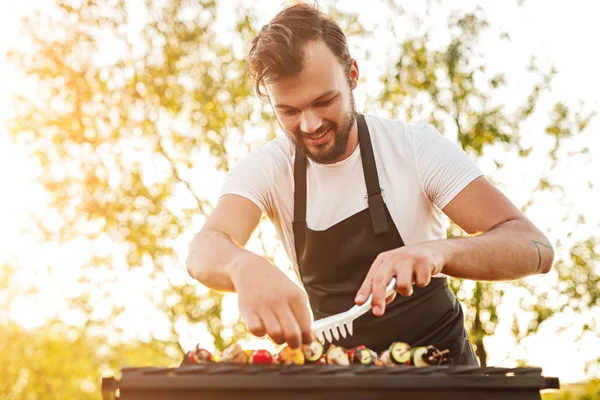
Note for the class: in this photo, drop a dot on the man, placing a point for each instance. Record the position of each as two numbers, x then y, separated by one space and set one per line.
356 200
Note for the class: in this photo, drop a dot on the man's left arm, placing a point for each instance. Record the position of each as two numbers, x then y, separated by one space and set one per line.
509 245
505 245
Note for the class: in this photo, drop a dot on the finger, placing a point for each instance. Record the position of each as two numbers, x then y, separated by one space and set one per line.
300 309
254 324
290 327
404 279
365 289
272 326
380 282
422 275
390 298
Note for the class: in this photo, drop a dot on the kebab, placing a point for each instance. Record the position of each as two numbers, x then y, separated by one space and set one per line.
399 353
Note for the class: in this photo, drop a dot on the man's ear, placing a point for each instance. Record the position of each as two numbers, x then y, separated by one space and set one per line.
354 74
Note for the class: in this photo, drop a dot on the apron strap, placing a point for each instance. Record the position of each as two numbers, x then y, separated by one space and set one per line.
375 199
299 223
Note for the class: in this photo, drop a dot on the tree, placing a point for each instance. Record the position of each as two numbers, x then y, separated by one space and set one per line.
137 98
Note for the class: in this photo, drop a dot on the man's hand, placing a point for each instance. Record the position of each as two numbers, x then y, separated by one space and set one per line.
410 265
270 303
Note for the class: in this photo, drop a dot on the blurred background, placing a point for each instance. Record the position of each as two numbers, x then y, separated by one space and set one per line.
119 118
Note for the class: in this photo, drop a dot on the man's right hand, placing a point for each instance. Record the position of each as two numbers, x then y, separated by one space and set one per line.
270 303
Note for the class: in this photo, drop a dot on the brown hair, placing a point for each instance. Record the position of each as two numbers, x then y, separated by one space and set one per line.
278 49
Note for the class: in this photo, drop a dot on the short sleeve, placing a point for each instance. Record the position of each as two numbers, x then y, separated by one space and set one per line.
249 179
444 168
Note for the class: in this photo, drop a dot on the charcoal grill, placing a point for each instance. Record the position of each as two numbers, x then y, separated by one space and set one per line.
327 382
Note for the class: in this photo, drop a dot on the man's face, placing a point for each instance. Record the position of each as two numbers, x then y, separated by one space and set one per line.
316 107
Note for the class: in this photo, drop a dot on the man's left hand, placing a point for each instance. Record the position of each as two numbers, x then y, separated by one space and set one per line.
410 265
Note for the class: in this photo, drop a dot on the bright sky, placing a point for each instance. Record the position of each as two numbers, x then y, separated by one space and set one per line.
563 33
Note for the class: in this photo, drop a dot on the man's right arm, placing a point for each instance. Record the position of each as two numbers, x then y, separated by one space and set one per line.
217 252
269 302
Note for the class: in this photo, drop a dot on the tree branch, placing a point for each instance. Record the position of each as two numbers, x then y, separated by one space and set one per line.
202 203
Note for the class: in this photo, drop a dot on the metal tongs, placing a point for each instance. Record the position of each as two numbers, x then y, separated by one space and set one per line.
341 324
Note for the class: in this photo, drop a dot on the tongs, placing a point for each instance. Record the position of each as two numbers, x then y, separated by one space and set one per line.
340 324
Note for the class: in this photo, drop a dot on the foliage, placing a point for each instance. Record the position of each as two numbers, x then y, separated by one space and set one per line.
584 391
59 362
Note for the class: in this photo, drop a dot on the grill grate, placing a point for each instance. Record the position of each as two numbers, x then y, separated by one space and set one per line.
353 370
329 382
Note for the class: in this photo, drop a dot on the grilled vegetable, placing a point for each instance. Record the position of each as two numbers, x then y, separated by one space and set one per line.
428 355
198 356
313 352
234 354
435 356
291 356
337 355
385 359
353 350
364 356
417 356
400 353
261 357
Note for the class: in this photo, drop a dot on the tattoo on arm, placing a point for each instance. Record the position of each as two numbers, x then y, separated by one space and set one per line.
537 244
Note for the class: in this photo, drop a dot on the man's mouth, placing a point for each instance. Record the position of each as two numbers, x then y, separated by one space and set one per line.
318 139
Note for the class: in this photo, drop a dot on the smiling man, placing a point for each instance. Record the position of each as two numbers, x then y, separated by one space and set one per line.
356 199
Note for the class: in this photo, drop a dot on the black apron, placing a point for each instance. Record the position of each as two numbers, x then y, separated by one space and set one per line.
334 262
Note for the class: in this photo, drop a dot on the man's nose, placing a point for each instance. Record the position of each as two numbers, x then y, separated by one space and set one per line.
310 122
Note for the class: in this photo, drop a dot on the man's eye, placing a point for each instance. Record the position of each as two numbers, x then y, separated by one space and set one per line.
289 112
324 103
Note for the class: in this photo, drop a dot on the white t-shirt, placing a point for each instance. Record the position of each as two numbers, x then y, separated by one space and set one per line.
419 170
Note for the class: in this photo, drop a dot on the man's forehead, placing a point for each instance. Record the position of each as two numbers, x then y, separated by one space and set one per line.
317 79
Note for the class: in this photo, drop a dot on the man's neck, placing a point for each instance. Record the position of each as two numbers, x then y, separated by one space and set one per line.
352 141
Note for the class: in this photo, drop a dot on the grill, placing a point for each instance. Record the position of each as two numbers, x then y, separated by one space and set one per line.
330 382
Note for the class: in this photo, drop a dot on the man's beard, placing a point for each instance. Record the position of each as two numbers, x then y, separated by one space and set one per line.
329 152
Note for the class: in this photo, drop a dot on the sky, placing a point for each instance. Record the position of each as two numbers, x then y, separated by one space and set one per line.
560 32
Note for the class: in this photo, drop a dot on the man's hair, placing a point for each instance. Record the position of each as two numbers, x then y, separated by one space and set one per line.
278 50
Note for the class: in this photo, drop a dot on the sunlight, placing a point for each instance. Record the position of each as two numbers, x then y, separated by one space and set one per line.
577 78
15 171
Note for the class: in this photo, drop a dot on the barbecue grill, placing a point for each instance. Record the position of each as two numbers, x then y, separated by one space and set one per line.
331 382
